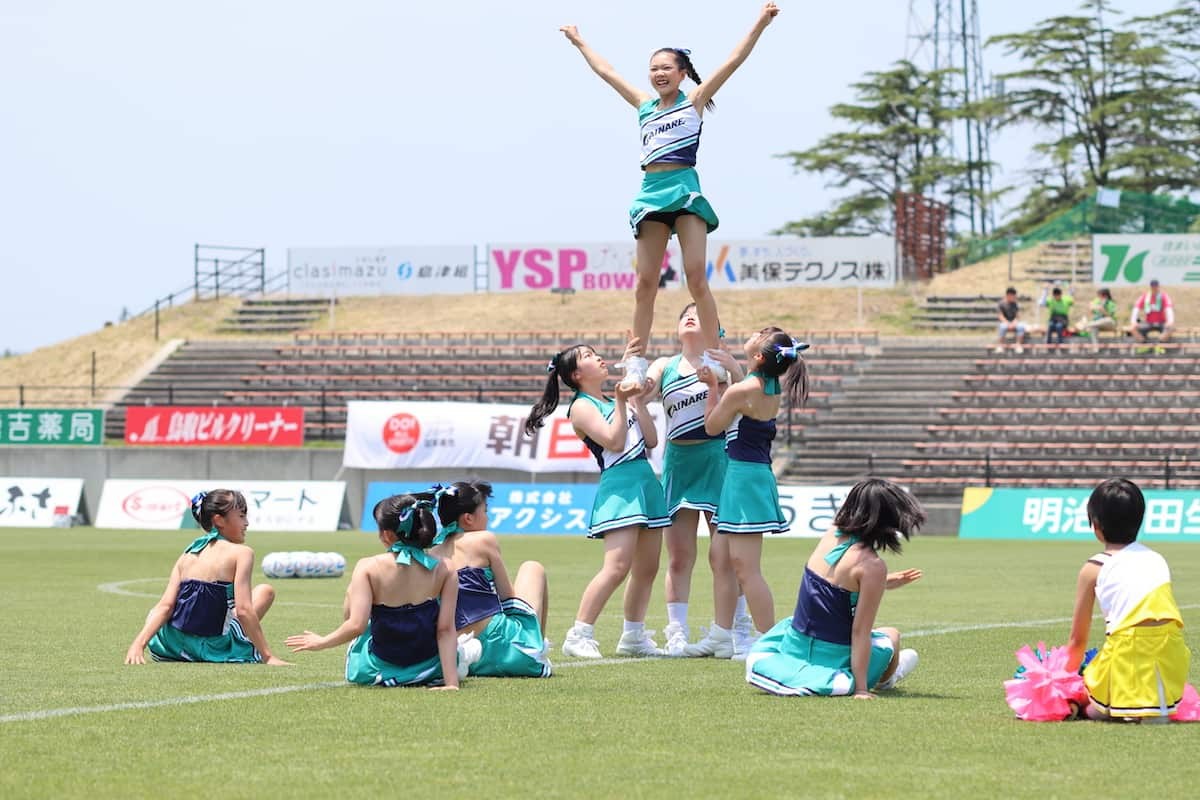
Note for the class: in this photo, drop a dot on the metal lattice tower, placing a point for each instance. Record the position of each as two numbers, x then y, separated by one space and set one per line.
944 34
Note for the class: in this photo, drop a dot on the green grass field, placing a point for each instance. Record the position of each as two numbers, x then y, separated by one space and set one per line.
649 728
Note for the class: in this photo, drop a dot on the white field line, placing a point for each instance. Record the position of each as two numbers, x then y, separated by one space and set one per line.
117 587
32 716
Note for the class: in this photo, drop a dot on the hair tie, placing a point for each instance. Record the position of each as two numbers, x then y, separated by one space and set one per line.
790 351
550 366
683 51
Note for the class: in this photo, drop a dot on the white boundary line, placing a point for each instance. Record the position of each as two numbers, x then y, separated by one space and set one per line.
117 587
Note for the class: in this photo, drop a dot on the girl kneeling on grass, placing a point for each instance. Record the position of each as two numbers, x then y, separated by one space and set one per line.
830 645
209 612
400 606
507 617
630 510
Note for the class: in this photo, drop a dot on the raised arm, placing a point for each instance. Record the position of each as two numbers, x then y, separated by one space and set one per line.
605 70
645 422
705 91
587 421
721 407
156 619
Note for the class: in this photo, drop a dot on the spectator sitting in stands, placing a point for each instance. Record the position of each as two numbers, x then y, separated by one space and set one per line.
1103 317
1157 313
1059 305
1006 314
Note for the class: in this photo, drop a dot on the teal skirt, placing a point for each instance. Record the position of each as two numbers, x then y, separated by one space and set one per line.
513 645
749 500
786 662
232 647
364 667
628 495
672 190
693 475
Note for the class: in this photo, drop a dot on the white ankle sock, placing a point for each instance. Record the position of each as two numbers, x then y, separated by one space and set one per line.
740 609
633 627
677 614
715 628
585 630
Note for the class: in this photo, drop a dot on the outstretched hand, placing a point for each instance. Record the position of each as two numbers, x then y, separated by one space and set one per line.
572 34
303 641
902 578
769 12
706 376
633 347
135 655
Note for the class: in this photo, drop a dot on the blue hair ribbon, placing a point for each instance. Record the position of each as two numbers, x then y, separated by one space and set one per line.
445 532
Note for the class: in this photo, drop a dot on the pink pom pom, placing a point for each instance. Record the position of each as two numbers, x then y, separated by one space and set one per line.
1045 691
1188 709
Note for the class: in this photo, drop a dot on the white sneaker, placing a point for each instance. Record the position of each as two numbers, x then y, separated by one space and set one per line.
635 372
580 646
677 640
637 644
742 644
470 650
905 664
717 642
717 369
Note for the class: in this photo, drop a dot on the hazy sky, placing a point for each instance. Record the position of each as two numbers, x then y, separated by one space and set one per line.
130 130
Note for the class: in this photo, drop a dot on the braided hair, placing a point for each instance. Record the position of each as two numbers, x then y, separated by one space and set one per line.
683 60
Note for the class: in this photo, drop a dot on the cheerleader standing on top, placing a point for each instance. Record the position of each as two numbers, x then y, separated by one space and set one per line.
670 200
629 512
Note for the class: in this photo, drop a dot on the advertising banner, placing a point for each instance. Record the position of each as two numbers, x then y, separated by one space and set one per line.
565 508
533 508
540 266
36 502
1061 515
272 505
1134 259
809 510
828 262
51 426
467 436
351 271
198 426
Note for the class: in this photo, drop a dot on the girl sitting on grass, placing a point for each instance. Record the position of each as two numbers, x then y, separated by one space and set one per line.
209 611
400 606
830 645
508 617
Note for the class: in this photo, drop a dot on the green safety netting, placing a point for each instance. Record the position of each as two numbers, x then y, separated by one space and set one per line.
1108 211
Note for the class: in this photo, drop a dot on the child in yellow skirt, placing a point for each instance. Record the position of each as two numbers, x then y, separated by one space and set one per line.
1142 666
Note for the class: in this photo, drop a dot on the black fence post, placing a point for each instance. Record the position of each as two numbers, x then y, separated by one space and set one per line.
1167 471
93 374
156 302
870 465
987 468
170 394
21 396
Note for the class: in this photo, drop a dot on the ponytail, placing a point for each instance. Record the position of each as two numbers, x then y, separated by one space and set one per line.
207 505
781 356
562 366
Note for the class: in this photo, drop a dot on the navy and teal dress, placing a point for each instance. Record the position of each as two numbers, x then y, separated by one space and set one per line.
810 653
749 497
203 624
513 645
628 493
693 473
398 648
670 136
